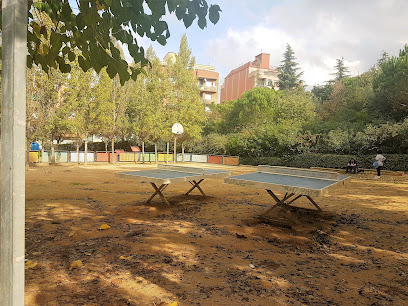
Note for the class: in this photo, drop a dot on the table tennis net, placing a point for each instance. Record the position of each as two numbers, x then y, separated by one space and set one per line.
181 169
326 175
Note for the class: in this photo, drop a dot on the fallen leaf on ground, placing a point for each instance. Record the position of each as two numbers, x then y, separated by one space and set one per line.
30 264
104 226
125 257
75 264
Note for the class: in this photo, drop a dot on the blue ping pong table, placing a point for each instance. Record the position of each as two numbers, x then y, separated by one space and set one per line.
166 174
294 182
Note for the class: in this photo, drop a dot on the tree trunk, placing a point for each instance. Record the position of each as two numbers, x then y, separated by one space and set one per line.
28 148
78 144
86 151
167 156
42 151
155 153
52 151
182 152
113 150
143 155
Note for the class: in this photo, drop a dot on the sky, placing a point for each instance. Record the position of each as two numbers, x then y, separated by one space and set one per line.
319 32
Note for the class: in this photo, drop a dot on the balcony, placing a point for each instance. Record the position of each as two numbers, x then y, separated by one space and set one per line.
207 88
209 101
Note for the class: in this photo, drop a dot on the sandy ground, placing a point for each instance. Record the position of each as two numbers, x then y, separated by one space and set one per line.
210 251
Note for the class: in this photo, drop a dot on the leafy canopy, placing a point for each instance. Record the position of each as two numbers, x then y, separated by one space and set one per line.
92 27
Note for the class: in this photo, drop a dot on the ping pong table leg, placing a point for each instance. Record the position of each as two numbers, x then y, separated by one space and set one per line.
313 202
158 190
195 185
288 196
280 201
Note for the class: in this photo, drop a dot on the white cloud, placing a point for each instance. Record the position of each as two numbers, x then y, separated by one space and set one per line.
319 31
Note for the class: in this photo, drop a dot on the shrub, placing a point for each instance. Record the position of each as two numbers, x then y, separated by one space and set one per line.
394 162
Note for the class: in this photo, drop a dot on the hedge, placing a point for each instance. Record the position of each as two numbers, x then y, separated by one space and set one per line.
394 162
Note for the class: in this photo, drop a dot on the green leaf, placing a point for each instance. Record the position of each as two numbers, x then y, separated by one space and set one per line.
66 11
83 63
161 40
71 56
111 70
214 14
188 20
80 22
171 5
202 22
180 12
65 68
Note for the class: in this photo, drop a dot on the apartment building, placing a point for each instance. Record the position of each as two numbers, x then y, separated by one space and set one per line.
207 80
252 74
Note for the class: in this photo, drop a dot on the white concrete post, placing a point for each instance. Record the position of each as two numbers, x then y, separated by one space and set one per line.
13 113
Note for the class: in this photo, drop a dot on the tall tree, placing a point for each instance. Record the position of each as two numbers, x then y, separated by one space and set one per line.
113 99
289 77
85 116
390 87
184 104
93 27
341 70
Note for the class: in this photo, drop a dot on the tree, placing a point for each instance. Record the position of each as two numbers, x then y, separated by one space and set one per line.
341 70
93 27
322 92
85 111
289 77
390 88
384 57
184 105
113 99
46 108
337 99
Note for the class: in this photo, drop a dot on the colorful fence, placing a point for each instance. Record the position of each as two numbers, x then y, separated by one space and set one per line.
90 157
215 159
34 156
60 157
149 157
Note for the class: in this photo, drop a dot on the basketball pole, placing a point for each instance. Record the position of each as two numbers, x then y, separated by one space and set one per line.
175 149
13 125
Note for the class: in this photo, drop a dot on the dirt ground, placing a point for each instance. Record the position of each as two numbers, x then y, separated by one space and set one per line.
210 251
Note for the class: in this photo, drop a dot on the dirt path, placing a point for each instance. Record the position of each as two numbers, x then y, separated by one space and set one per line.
209 251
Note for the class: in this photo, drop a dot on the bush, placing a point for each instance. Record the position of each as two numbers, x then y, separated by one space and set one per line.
394 162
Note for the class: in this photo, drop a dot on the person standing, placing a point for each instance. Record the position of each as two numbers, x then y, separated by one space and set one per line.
379 159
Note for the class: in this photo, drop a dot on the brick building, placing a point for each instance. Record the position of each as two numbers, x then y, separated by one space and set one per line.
252 74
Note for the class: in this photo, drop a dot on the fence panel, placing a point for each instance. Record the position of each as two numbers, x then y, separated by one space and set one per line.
102 157
199 158
215 159
162 157
34 156
127 157
231 160
187 157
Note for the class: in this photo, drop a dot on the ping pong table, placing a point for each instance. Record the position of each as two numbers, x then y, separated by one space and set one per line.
166 174
294 182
